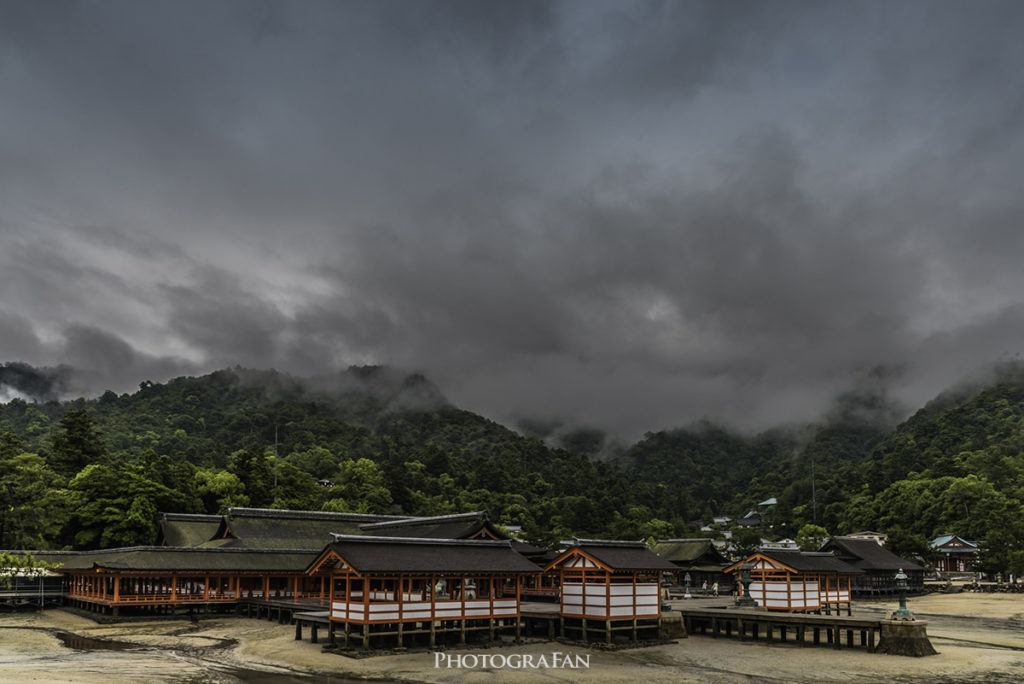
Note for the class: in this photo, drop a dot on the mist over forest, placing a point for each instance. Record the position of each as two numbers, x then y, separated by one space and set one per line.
88 473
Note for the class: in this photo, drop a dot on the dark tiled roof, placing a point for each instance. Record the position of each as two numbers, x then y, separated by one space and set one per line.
751 519
686 552
967 546
619 555
867 555
370 554
265 528
289 514
187 529
527 549
811 561
457 526
165 558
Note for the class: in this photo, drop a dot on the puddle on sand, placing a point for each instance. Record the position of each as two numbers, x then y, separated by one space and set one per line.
225 673
259 677
84 643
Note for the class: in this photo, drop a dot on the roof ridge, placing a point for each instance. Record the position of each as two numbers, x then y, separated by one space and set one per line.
576 541
209 517
410 522
373 539
133 549
196 549
292 514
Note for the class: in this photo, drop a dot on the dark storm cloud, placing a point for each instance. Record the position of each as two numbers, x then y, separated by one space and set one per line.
216 314
629 215
19 339
36 384
103 360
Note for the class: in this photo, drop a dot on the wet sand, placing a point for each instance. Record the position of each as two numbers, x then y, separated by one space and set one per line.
980 638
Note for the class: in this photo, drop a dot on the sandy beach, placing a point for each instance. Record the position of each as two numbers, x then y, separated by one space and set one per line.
980 638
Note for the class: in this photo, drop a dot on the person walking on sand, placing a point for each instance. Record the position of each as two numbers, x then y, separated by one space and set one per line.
714 588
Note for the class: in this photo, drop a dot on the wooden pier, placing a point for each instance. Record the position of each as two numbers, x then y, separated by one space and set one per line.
32 592
802 628
536 619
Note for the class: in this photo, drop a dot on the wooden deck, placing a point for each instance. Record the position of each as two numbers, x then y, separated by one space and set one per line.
713 617
26 593
802 628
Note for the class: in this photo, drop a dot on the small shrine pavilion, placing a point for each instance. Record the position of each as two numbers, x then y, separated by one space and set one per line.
608 581
160 576
878 566
409 586
797 580
698 558
957 554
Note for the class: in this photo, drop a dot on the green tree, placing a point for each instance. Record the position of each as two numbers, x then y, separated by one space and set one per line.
811 537
256 474
13 564
33 506
316 460
359 486
219 490
1002 548
76 445
10 445
909 545
746 540
297 489
116 506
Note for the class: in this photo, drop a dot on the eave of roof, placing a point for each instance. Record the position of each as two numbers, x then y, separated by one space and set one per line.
868 555
187 559
405 555
291 514
616 556
414 522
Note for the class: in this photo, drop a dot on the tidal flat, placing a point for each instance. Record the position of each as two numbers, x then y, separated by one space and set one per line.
980 638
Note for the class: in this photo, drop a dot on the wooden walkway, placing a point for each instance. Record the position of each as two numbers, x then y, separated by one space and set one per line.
536 619
802 628
24 593
709 617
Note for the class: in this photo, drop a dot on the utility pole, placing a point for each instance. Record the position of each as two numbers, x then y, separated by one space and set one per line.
814 498
275 464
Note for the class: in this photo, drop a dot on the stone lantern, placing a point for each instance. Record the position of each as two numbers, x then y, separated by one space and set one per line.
902 613
746 600
901 633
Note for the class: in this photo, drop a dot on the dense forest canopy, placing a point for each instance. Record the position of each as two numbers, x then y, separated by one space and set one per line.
96 473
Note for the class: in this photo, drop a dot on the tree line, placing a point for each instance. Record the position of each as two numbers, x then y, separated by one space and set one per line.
96 473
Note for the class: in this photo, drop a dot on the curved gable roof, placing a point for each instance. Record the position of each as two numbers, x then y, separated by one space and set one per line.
267 528
615 555
456 526
684 552
388 555
800 562
867 555
187 529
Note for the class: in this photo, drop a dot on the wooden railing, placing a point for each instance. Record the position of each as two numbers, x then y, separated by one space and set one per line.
615 601
423 610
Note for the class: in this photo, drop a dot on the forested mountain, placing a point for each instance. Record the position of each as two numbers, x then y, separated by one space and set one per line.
956 467
95 473
706 470
90 473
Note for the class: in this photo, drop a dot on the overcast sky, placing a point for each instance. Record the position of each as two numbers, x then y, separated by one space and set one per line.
621 214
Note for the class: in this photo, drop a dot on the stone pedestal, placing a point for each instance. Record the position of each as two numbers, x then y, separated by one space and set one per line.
905 637
672 627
